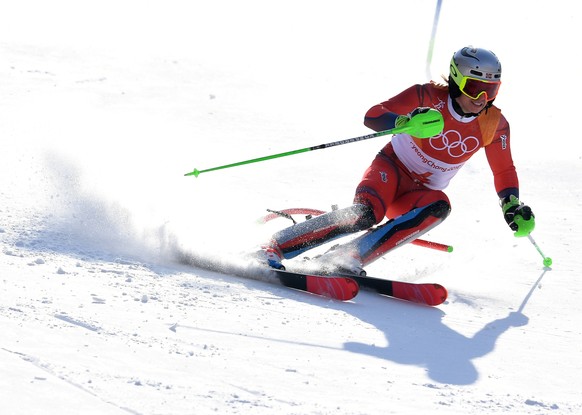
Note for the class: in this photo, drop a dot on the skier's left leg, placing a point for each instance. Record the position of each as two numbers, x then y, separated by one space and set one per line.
423 210
400 230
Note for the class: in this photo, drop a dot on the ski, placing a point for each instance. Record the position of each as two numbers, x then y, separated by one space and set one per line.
345 287
430 294
341 288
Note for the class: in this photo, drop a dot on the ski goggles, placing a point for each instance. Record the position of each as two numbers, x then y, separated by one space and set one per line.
474 87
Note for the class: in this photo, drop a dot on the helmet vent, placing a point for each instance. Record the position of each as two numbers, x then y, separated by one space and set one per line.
475 62
482 75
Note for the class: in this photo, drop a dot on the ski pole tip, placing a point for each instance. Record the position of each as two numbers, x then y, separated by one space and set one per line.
194 173
547 262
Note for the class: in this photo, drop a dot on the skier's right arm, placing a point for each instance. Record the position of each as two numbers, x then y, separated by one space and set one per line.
382 117
379 120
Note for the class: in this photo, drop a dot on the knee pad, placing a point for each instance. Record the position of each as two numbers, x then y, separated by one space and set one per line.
365 215
441 209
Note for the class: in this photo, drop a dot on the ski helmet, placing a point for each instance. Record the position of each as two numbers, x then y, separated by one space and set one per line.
470 63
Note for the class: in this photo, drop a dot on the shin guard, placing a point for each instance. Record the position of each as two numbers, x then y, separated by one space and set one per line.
398 231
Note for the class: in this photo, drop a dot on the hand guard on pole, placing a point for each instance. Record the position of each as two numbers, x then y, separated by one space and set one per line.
415 123
518 216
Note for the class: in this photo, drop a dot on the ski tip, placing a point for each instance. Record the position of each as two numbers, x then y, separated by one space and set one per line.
440 295
430 294
354 287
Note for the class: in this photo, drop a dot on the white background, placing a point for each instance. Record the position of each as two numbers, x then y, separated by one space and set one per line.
105 105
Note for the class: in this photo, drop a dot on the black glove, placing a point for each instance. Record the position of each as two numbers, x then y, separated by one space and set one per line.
402 120
518 216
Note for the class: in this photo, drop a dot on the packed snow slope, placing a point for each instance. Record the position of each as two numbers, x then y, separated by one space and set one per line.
104 106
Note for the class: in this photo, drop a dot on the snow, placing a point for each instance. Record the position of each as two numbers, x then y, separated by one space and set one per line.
104 106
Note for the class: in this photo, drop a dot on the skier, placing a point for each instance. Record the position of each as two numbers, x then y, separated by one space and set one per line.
405 181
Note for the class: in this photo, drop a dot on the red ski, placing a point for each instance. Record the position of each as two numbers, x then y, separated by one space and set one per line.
333 286
345 287
423 293
341 288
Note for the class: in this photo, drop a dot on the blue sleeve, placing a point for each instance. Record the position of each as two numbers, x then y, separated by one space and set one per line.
383 122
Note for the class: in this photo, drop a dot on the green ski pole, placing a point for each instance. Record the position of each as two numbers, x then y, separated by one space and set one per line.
424 125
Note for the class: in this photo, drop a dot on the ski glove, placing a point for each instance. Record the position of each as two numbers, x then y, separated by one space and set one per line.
518 216
422 122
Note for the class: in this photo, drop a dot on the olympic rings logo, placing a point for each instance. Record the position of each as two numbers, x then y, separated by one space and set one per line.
455 145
